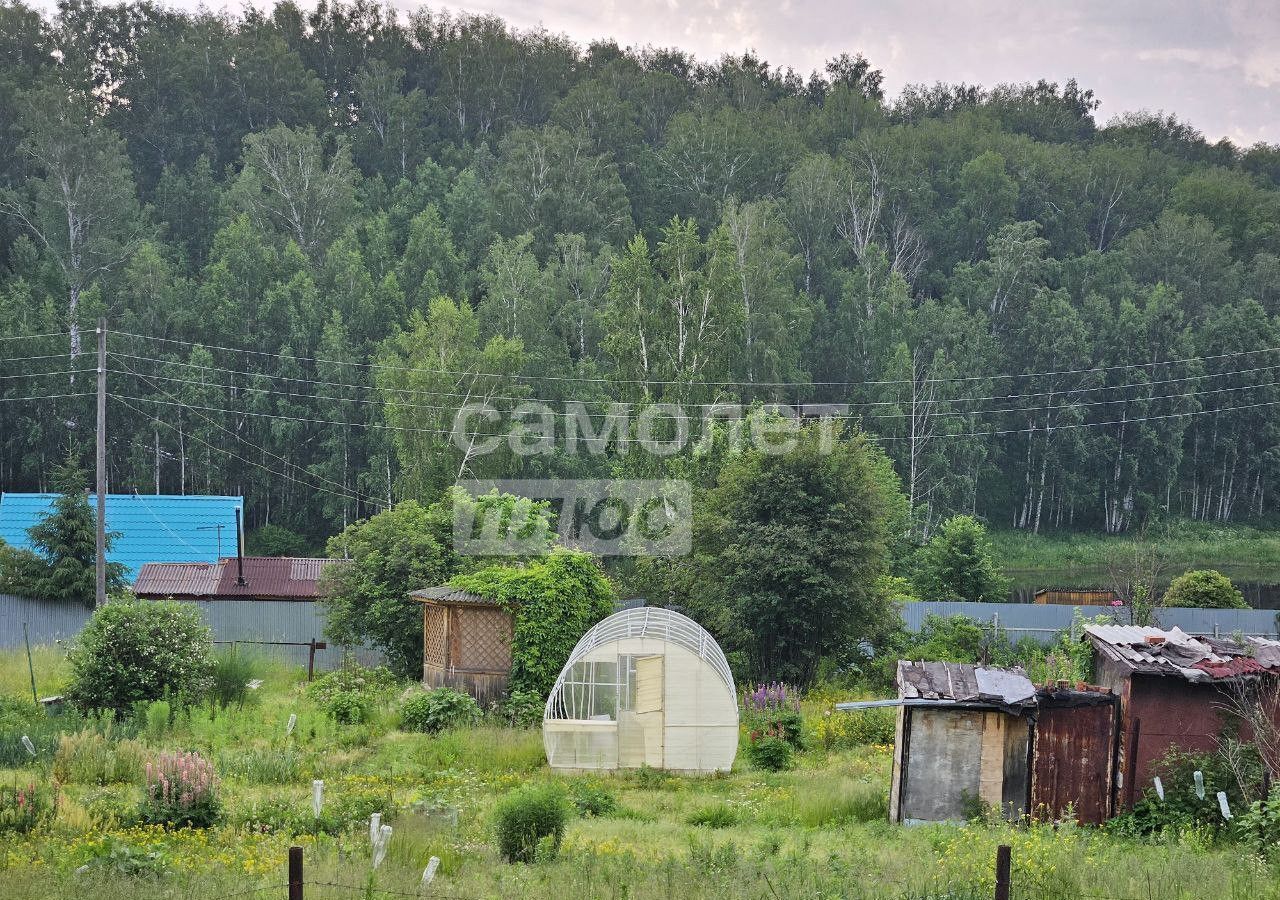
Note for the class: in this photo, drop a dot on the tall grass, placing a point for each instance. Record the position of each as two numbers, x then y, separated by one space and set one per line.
94 757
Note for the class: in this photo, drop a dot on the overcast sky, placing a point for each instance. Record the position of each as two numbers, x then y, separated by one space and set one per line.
1214 63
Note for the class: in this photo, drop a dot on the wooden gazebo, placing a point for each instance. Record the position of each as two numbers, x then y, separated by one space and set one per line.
466 642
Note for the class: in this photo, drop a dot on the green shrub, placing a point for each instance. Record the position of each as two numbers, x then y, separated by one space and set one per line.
349 707
111 807
24 806
119 858
1259 826
232 672
592 800
134 651
91 757
375 681
438 710
181 790
1204 589
1181 809
350 694
770 753
529 823
523 709
718 815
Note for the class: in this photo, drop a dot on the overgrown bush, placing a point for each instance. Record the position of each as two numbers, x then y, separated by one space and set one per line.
350 694
232 672
92 757
523 709
1204 589
774 709
592 800
529 823
24 806
717 815
1182 809
438 710
181 790
769 752
134 651
1259 826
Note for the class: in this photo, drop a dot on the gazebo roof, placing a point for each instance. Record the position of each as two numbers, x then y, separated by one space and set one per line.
446 594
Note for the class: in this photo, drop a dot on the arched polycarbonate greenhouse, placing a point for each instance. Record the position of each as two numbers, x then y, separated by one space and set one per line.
644 687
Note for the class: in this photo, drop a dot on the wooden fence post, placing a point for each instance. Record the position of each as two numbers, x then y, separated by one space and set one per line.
1003 858
295 873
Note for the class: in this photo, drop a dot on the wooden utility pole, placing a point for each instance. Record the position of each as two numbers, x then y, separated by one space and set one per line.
100 559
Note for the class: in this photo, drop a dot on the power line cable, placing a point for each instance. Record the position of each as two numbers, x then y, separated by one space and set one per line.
249 462
712 406
1018 410
32 337
648 381
343 488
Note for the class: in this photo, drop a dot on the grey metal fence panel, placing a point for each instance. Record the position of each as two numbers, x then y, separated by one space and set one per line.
1043 621
231 621
46 621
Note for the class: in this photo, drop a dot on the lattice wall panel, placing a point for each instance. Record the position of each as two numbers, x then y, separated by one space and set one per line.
484 639
434 627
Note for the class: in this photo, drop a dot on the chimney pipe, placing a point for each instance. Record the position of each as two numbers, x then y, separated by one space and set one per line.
239 551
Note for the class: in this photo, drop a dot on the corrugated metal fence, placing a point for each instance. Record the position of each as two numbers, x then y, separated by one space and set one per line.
1043 621
231 620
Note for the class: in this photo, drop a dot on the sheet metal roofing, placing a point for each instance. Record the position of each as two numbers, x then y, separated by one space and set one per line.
1155 651
151 527
266 577
964 683
178 579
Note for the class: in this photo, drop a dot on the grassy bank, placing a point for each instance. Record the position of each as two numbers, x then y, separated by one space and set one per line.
1244 552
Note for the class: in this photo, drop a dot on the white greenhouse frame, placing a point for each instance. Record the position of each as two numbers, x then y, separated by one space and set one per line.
644 687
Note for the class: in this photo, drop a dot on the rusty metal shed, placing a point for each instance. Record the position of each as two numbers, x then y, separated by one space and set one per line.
969 735
1171 686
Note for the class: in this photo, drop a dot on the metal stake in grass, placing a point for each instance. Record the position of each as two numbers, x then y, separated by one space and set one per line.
1159 787
1199 777
30 747
317 796
293 721
429 873
1223 806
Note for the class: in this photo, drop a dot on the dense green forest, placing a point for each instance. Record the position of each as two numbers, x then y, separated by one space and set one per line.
315 235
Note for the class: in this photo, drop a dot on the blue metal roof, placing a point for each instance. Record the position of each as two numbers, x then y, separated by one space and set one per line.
152 527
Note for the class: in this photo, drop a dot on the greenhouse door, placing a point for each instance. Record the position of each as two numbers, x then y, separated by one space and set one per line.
650 690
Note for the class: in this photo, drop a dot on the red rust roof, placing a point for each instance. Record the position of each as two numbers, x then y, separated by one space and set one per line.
1233 667
178 579
266 577
279 577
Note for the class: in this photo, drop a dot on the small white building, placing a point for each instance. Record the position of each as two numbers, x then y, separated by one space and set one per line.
644 687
